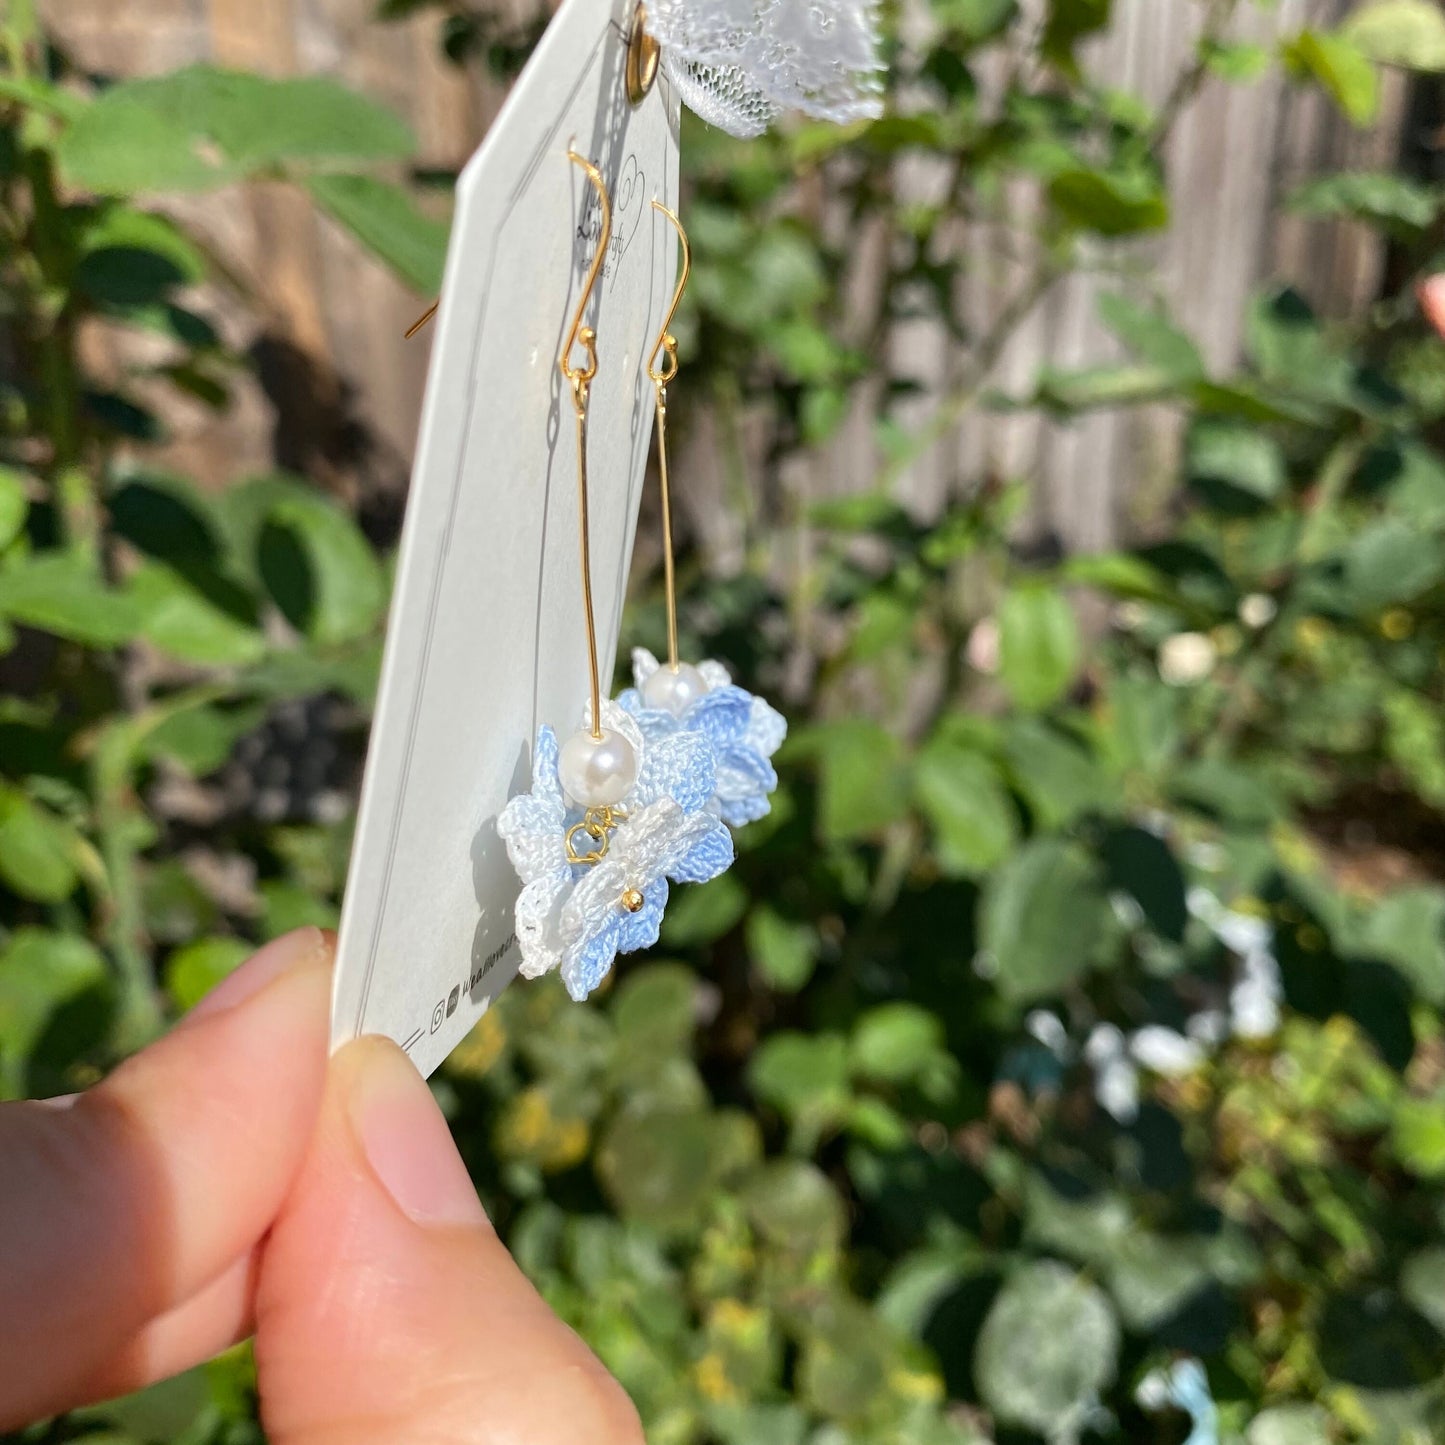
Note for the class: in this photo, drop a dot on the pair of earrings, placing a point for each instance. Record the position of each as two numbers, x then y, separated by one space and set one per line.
646 792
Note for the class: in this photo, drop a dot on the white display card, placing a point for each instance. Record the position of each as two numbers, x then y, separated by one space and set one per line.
486 638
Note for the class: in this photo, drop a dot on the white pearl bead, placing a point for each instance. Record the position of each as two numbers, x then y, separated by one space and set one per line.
597 772
674 692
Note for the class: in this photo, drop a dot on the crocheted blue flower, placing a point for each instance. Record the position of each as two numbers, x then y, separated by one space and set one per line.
577 916
743 729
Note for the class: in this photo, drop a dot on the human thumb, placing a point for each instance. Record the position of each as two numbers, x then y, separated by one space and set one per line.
388 1310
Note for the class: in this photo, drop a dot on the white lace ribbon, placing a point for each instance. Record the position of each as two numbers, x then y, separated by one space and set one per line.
741 63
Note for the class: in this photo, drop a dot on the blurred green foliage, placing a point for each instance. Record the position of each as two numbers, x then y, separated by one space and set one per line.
1078 1010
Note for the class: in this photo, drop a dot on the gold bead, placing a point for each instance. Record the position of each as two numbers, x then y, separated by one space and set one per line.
633 900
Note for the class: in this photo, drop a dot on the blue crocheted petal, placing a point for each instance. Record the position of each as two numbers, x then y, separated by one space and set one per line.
681 767
586 965
655 724
745 808
630 700
711 855
546 784
767 727
743 768
639 930
722 715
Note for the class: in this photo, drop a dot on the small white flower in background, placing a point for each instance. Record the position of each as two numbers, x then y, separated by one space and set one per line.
1048 1028
1164 1051
1130 616
1257 991
1116 1079
982 649
1254 1000
1185 1386
1209 1026
1185 658
1257 610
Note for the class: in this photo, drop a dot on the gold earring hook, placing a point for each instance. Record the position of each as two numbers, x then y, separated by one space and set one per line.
666 341
667 344
580 378
580 335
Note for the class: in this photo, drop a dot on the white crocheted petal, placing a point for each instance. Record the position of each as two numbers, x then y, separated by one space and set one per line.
535 835
536 922
586 965
619 720
767 728
595 897
644 664
715 674
642 846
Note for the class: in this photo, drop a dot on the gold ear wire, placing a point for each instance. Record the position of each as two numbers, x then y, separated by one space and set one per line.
580 378
666 343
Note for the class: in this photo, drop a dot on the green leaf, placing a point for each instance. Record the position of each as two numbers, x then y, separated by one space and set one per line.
1066 393
654 1009
1238 63
1422 1283
792 1204
1390 562
1417 1136
1289 1425
117 227
1038 645
1237 457
961 793
1142 865
1403 206
704 913
60 592
1152 1277
193 971
895 1043
202 127
1407 33
1290 348
784 951
1415 742
383 218
318 566
1043 912
1340 68
183 623
1150 334
39 973
37 849
863 784
660 1164
286 907
14 505
1048 1346
121 146
1058 778
974 21
804 1077
1407 929
1069 22
1111 203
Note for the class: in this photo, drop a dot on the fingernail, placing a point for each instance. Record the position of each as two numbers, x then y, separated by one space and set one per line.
304 947
405 1138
